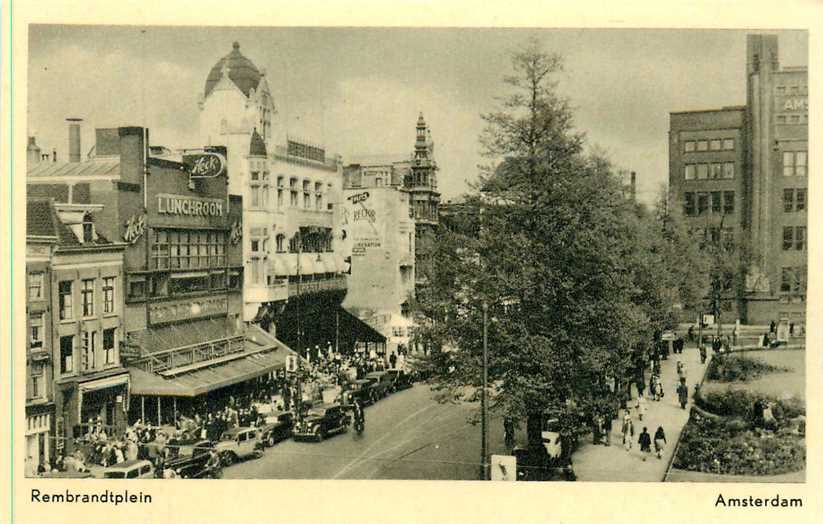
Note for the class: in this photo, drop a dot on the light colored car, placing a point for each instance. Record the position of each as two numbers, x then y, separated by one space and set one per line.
239 443
130 469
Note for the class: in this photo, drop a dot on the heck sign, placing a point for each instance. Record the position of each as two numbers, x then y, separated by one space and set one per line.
207 165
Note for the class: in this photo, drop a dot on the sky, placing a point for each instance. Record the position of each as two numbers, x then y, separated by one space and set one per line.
358 91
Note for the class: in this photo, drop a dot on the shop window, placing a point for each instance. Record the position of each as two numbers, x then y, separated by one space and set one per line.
36 327
108 294
800 199
65 300
35 286
728 170
67 354
109 340
688 146
716 144
788 238
702 171
728 144
689 172
180 286
728 202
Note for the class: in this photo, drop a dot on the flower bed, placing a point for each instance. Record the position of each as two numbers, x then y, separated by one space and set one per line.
726 440
738 368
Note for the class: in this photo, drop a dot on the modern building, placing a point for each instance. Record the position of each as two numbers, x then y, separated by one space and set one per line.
739 176
295 269
75 311
182 336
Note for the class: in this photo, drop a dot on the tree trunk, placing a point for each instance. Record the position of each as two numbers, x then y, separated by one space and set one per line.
534 428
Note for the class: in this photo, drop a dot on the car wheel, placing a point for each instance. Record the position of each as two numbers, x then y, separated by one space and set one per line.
318 435
272 441
228 458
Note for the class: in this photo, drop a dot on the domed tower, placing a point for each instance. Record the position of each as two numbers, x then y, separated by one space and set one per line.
236 99
425 199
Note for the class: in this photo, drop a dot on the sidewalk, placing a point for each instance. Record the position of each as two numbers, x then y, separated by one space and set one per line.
615 464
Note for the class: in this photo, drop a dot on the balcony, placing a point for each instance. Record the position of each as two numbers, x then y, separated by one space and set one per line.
213 352
312 287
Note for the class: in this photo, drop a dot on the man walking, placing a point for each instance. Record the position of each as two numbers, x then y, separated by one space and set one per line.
683 394
645 442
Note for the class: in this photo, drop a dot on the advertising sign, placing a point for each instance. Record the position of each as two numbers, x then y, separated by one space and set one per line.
359 223
208 164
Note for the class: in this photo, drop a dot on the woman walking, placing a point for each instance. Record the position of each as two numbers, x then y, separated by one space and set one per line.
641 407
659 441
683 394
628 430
645 442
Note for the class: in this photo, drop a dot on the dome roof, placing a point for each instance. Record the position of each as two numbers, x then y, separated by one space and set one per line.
257 147
242 72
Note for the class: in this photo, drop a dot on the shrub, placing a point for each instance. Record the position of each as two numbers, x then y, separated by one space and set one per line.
737 368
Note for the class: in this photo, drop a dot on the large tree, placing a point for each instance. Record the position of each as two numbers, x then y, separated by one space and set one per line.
551 248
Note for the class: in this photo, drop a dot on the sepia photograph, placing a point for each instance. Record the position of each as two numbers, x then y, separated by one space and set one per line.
444 254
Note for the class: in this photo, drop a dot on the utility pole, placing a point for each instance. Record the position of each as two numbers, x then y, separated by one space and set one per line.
483 400
299 403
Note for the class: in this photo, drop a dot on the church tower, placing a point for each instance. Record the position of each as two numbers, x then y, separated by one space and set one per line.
421 182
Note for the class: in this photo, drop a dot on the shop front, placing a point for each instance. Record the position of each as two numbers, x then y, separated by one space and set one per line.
39 445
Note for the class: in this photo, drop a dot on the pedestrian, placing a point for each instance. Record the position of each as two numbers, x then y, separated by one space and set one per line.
771 326
791 329
645 442
641 407
690 334
607 429
627 429
659 441
734 336
681 372
641 387
658 389
508 432
683 394
597 429
703 354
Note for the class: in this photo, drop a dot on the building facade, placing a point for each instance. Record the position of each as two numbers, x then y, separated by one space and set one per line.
739 176
421 182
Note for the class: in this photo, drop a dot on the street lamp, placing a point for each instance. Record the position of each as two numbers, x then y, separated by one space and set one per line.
483 401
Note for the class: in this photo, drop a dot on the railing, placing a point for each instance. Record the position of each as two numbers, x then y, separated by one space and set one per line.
187 355
281 152
317 286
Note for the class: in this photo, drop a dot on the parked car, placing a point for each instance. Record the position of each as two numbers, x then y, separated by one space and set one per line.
239 443
381 383
321 421
189 458
130 469
359 390
278 426
400 379
66 475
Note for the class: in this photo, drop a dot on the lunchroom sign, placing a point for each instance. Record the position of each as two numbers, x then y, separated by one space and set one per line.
190 206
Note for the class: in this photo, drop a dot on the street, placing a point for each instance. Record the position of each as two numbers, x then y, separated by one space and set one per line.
408 435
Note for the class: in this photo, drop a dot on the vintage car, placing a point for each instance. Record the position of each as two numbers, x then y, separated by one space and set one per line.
381 384
130 469
278 426
66 475
400 379
359 390
321 421
189 458
239 443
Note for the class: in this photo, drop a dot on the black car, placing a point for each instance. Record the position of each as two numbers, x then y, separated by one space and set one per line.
359 390
381 384
400 379
321 421
534 464
278 426
189 458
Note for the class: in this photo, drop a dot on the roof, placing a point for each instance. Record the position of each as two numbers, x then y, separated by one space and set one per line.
100 167
257 147
241 71
42 220
378 160
161 338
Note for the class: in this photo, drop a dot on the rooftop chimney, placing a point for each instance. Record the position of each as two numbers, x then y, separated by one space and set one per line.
634 186
54 155
74 139
32 152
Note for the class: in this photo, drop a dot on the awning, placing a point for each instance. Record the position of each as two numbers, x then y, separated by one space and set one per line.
190 274
361 331
308 263
278 266
119 377
209 378
328 263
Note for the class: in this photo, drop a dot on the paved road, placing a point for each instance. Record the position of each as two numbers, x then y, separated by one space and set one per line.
408 436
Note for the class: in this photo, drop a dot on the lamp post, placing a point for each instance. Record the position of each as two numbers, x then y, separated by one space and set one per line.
484 448
299 403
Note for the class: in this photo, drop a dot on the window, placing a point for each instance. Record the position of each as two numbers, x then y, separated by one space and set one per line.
259 183
788 238
728 144
800 199
728 238
279 240
714 235
37 389
717 170
717 204
255 189
108 345
67 354
781 119
181 286
794 163
89 339
728 202
179 249
728 170
716 144
35 286
689 172
702 145
108 294
702 203
65 300
786 279
293 191
793 280
688 146
137 288
788 200
800 163
800 238
36 331
87 297
702 171
279 192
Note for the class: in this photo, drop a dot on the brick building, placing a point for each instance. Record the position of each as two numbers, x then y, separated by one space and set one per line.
739 176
